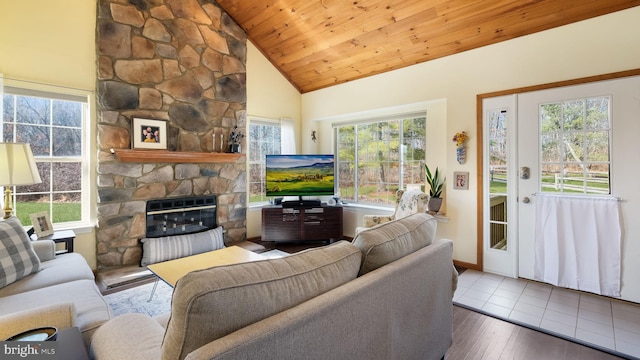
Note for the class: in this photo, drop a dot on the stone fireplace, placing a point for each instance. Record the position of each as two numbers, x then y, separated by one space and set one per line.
182 61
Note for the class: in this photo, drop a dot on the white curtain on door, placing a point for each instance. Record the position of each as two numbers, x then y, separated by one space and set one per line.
578 243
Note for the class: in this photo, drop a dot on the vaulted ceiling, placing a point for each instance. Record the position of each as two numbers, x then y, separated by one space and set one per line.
319 43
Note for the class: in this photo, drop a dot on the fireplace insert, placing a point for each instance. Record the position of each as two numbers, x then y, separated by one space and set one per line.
178 216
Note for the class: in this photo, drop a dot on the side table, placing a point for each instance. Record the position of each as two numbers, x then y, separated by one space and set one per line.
62 236
71 345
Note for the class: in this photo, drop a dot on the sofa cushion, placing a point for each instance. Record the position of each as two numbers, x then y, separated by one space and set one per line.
62 269
45 249
390 241
61 316
127 336
17 258
212 303
165 248
91 308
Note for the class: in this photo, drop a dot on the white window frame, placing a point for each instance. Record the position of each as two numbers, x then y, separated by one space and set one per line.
560 186
372 120
261 160
27 88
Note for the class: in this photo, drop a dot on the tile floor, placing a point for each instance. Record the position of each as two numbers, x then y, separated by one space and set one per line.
602 321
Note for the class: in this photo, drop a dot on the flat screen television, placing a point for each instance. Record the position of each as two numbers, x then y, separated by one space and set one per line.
299 175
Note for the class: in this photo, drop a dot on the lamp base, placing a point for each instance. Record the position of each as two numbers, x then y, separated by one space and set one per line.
8 211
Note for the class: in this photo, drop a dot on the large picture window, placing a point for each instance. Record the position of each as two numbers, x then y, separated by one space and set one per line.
54 125
264 139
376 158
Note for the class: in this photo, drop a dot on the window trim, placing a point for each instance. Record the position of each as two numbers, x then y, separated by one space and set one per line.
255 120
583 131
382 116
64 93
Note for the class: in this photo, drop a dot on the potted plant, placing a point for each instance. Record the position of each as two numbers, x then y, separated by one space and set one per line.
436 185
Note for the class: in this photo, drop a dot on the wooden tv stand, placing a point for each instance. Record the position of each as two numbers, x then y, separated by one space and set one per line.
301 223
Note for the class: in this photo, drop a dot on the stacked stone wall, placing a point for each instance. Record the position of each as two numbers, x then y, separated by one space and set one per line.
182 61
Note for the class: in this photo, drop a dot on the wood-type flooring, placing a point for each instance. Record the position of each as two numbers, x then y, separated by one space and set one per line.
477 336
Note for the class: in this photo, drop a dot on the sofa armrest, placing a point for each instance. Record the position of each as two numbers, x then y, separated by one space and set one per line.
61 316
373 220
45 249
125 335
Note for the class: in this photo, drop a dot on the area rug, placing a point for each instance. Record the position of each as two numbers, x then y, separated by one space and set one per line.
138 300
274 254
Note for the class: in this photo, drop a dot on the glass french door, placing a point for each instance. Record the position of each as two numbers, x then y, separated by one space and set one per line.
558 140
565 140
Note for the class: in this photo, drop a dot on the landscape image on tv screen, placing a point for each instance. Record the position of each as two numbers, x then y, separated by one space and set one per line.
299 175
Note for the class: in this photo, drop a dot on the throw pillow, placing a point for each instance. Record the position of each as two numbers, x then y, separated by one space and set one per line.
17 258
173 247
390 241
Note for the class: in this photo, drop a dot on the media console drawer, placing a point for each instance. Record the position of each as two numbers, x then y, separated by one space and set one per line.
301 223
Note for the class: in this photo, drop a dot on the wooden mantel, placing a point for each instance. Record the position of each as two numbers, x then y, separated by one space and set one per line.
143 156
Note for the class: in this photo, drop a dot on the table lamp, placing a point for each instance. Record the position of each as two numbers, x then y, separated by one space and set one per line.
17 167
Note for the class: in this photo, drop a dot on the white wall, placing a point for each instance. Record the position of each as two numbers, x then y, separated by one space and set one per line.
269 95
53 42
601 45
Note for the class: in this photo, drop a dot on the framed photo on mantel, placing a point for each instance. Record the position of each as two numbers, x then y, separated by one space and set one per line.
149 134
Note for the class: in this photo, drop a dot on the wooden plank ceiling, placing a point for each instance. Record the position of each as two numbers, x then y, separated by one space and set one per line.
320 43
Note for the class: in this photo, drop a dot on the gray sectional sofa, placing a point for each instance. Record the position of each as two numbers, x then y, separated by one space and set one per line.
386 295
56 290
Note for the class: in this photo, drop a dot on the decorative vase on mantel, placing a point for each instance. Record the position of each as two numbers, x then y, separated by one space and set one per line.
434 205
234 148
234 140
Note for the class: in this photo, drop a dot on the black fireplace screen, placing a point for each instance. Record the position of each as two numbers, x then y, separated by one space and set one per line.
177 216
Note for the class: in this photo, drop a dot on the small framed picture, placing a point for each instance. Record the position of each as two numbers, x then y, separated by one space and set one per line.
41 223
461 179
149 134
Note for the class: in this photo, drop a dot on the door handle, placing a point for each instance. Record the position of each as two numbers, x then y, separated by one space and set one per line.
526 200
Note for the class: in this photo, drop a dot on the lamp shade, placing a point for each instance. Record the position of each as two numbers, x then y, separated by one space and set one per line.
17 165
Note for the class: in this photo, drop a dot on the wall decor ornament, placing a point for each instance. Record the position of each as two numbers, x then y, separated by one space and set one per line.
460 138
462 180
234 140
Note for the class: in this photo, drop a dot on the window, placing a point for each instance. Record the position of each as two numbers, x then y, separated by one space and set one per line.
574 146
376 158
54 124
498 151
264 139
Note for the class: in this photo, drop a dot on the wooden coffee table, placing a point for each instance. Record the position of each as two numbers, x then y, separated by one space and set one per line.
172 270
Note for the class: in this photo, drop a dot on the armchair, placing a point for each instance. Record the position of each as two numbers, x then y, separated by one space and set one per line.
408 202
